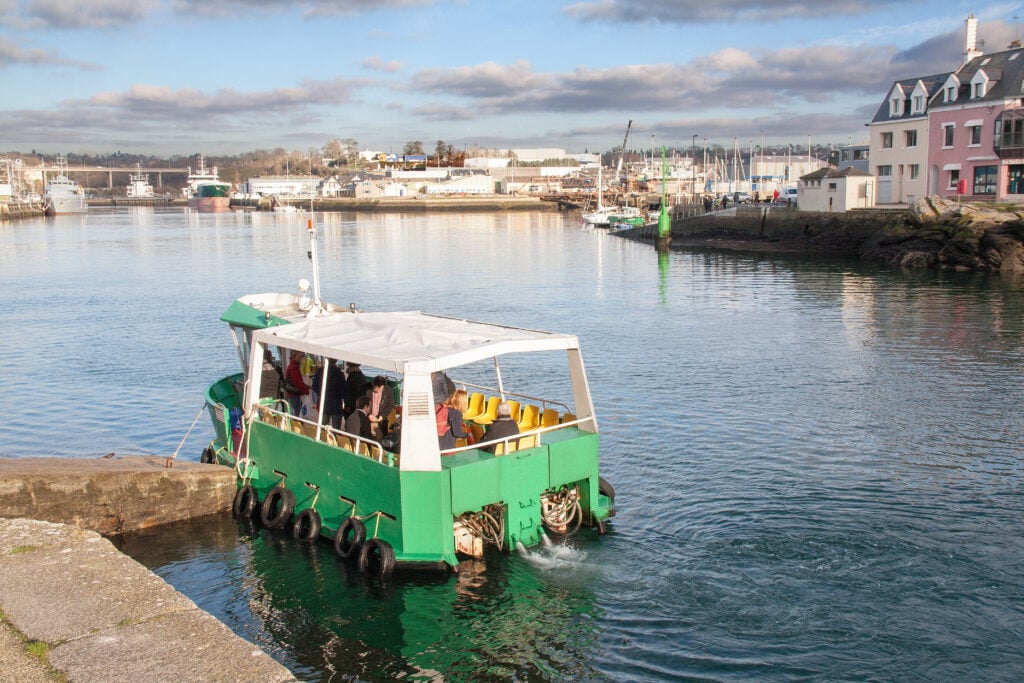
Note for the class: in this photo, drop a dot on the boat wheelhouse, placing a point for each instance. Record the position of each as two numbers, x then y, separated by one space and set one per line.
403 499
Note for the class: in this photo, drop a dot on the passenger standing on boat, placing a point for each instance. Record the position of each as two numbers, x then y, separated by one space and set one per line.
272 378
504 426
454 427
355 385
382 402
333 394
358 422
294 386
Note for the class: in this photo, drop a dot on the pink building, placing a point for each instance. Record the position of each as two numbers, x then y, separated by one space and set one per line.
976 130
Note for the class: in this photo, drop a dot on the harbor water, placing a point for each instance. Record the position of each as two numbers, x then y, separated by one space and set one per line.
817 464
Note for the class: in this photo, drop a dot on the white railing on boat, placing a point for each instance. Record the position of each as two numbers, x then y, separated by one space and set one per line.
544 403
527 435
334 437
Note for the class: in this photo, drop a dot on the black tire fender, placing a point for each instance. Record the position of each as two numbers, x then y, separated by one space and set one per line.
307 526
345 545
208 457
277 508
377 558
605 489
246 500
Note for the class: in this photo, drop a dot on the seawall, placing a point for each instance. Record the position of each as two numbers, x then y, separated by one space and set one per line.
112 495
778 229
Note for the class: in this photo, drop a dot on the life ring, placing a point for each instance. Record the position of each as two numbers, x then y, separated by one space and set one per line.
246 500
377 558
343 544
277 508
307 526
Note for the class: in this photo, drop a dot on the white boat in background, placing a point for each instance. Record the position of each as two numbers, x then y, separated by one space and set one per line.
62 194
606 216
139 186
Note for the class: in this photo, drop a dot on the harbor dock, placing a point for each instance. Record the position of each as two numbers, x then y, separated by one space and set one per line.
73 607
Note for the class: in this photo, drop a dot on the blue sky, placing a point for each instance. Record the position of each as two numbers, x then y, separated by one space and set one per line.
170 77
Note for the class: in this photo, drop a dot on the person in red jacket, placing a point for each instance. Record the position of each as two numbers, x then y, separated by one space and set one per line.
294 386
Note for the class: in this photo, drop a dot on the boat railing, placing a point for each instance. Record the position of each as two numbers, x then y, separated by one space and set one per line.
320 432
544 403
518 438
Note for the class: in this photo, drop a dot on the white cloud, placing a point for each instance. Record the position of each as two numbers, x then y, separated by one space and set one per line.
12 53
701 11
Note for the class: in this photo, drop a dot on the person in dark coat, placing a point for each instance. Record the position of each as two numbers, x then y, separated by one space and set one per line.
502 427
358 422
334 394
355 385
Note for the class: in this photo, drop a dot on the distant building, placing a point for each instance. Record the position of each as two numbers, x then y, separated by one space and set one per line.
855 155
281 185
834 191
769 173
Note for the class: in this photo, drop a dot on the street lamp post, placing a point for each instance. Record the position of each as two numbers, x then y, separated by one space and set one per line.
693 168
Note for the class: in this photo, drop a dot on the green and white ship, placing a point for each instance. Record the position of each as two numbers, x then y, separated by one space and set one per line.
403 500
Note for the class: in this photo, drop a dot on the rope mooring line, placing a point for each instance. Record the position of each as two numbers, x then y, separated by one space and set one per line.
170 458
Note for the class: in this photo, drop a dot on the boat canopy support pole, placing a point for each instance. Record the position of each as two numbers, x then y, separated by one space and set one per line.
497 372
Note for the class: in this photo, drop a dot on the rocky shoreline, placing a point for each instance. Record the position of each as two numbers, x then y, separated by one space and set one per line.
933 233
940 234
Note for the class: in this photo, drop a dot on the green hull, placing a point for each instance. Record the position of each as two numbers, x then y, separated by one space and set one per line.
413 511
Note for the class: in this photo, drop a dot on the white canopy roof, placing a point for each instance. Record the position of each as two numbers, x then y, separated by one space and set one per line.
408 340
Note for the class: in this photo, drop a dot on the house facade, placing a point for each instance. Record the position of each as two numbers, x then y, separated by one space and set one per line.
898 140
977 130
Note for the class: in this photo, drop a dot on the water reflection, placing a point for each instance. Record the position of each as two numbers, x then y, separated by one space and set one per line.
505 619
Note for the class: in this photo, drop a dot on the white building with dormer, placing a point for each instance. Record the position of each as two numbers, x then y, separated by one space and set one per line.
898 139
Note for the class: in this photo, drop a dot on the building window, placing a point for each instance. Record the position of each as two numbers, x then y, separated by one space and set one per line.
896 107
918 103
911 137
985 178
859 154
979 90
1015 175
954 178
951 94
884 171
886 140
832 187
947 134
975 135
915 171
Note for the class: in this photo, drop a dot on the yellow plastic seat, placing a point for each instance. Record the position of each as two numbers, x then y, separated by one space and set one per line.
527 442
530 418
345 442
500 448
568 417
475 407
514 406
491 414
549 417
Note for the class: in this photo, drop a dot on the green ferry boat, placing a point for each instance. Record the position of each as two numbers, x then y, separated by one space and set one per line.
401 499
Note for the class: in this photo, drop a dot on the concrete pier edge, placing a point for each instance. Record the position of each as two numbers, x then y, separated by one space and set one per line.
73 607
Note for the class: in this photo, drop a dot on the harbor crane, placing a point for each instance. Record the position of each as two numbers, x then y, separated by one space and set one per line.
622 153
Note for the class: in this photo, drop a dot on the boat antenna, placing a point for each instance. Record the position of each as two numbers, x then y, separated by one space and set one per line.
317 306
